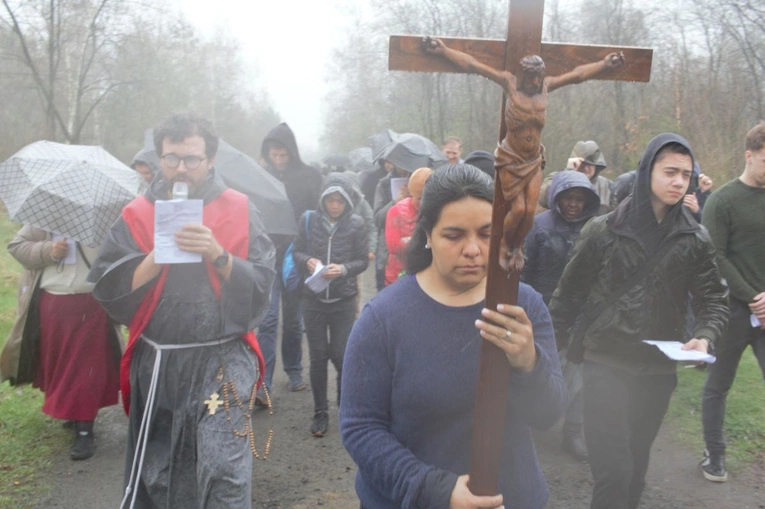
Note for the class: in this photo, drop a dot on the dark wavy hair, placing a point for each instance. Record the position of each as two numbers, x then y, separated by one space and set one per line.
448 184
183 125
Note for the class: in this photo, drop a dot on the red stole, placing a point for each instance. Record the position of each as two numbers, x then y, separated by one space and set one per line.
228 217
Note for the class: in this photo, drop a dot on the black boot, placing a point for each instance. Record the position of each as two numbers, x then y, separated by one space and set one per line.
573 443
84 441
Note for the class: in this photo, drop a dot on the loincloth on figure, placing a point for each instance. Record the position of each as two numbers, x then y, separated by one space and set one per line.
514 174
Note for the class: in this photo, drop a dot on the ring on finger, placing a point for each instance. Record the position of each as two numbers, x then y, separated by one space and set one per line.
508 334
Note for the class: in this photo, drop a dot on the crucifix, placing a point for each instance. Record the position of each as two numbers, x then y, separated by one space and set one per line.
518 64
213 403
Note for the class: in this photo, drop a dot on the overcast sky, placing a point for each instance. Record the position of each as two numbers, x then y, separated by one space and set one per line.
290 43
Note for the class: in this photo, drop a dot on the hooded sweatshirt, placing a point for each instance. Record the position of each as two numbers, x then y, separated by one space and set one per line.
302 182
549 243
344 242
640 214
610 249
147 156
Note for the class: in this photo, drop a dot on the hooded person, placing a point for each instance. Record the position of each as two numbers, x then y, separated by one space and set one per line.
587 158
628 280
146 164
302 183
548 245
333 248
400 223
547 248
483 160
624 183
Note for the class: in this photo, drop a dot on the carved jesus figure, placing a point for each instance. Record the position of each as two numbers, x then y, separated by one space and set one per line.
520 158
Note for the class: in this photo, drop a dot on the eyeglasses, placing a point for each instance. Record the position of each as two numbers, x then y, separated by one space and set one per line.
191 162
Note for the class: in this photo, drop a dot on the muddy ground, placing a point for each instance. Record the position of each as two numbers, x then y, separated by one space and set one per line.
305 472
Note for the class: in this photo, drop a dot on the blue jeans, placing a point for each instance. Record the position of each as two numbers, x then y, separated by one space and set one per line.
292 333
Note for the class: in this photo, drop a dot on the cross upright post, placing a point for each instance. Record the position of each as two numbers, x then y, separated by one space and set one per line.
494 59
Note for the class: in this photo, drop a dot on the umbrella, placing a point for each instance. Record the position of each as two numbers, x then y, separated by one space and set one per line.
240 172
336 160
378 142
406 150
75 190
361 159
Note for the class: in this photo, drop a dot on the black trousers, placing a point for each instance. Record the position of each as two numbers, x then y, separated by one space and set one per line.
327 327
722 373
622 416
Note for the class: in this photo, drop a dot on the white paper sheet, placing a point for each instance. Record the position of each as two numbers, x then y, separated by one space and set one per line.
71 254
755 321
396 185
672 349
315 281
169 217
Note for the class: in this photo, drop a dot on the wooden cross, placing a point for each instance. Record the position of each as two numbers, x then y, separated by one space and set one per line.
213 403
524 38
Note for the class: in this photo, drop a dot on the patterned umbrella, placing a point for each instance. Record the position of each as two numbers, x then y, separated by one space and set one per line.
75 190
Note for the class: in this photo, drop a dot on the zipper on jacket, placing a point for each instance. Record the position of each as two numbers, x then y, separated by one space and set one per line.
329 253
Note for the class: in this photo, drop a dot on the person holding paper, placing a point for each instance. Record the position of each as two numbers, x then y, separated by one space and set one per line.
735 218
335 241
400 223
627 281
62 341
192 367
384 200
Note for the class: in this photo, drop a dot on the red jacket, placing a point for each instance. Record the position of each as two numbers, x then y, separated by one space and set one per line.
399 226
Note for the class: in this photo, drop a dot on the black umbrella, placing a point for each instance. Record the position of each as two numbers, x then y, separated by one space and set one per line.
378 142
336 160
409 151
240 171
361 159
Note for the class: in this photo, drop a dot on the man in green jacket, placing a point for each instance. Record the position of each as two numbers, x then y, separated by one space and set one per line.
627 383
735 218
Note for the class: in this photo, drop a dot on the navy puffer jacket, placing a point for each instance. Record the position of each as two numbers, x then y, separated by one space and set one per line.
550 241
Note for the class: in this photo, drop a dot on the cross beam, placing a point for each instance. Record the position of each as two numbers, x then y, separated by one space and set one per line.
406 55
524 36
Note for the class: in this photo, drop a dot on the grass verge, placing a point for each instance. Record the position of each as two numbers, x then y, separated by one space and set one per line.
28 439
744 415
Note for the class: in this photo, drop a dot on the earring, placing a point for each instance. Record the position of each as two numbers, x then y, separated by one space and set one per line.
427 246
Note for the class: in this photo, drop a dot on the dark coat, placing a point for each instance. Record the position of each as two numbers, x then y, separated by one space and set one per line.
550 241
345 243
301 182
368 182
613 247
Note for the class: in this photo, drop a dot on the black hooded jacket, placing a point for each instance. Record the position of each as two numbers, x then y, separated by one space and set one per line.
613 247
345 243
302 182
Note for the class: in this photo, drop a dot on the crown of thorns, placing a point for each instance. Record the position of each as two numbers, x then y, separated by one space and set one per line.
533 64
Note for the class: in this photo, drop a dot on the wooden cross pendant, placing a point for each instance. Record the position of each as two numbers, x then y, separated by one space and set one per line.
213 403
